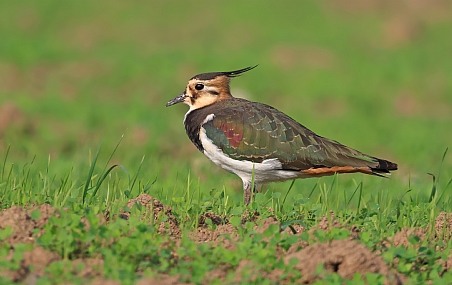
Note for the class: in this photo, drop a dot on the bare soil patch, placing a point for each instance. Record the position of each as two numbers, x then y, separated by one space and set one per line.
218 235
344 257
154 209
22 224
402 238
162 279
32 265
329 222
443 230
102 281
88 267
34 262
247 271
443 225
214 218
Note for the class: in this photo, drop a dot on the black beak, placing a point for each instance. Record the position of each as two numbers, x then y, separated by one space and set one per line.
176 100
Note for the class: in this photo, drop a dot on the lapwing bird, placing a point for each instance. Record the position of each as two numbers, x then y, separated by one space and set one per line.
256 141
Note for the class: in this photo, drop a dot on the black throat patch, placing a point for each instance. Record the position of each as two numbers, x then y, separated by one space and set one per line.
193 122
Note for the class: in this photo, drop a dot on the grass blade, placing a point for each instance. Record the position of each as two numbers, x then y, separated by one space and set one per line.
4 161
288 191
90 174
102 178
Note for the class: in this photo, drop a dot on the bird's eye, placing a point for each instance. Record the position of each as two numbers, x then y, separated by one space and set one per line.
199 86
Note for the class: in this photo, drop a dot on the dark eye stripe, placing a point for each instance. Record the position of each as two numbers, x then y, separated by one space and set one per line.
213 92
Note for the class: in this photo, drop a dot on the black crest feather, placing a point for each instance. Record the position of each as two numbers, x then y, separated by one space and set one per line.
230 74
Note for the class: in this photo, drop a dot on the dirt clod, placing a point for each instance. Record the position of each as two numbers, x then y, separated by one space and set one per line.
294 229
329 222
22 224
32 265
214 235
216 219
102 281
326 223
443 225
402 238
155 208
248 271
443 230
148 202
88 267
344 257
265 224
39 258
162 279
46 211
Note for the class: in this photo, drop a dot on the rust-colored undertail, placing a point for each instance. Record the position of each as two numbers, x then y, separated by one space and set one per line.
336 169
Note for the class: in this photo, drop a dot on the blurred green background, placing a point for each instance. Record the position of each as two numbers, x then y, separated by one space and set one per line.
374 75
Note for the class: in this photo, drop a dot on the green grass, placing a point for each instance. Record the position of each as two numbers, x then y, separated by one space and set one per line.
87 84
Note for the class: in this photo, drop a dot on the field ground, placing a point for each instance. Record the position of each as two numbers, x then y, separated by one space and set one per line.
99 183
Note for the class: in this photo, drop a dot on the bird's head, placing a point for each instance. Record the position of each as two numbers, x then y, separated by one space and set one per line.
207 88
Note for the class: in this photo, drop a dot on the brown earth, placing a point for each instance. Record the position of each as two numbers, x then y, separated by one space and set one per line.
402 238
102 281
214 235
248 271
443 230
326 223
162 279
344 257
329 222
32 265
22 224
443 225
154 210
214 218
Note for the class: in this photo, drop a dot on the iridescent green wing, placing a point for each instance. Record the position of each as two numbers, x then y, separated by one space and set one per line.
255 132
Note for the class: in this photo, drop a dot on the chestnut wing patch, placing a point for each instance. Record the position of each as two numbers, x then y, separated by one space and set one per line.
232 131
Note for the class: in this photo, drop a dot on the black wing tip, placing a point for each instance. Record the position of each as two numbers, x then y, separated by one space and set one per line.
387 165
384 168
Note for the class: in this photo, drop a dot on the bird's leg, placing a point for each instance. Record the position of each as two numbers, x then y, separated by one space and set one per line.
255 191
248 192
